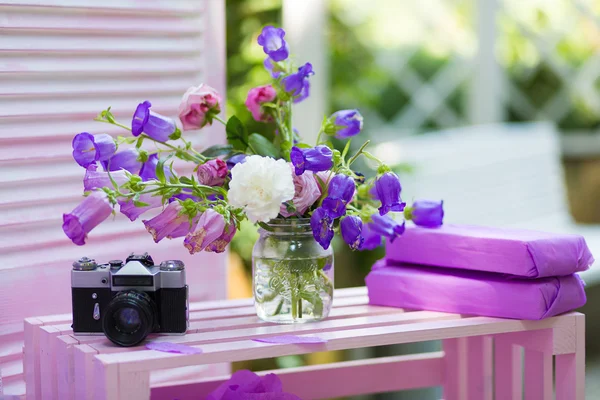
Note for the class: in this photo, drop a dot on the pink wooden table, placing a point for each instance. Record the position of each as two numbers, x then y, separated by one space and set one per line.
481 357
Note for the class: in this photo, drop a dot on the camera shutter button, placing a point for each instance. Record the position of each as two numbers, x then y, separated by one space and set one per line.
172 265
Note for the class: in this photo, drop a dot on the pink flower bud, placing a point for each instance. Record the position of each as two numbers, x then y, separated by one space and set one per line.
212 173
198 107
256 97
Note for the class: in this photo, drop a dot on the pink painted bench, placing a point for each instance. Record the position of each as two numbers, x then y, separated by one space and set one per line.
481 357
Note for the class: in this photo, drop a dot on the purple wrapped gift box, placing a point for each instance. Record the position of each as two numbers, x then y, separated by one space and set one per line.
472 292
523 253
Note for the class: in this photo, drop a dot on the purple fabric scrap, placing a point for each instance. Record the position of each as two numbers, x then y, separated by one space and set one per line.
472 292
524 253
169 347
287 339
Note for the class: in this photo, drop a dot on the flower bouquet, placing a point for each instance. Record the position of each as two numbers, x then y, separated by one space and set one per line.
299 194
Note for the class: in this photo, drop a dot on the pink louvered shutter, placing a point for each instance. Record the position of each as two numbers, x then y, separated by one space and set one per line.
61 62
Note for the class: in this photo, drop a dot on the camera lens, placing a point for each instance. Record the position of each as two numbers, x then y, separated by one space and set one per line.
129 318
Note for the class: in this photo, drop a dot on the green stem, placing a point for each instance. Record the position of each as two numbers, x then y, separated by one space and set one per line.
113 123
359 152
221 120
294 305
172 185
319 137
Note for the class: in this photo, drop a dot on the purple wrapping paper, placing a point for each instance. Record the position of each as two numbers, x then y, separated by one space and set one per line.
474 293
522 253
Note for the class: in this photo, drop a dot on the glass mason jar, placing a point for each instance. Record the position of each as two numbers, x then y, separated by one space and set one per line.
292 273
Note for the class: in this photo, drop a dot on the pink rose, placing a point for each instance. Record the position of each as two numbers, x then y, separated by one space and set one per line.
212 173
307 192
198 107
256 97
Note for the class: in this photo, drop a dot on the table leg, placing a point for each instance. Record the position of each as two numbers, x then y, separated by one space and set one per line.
538 375
570 368
455 367
507 369
479 364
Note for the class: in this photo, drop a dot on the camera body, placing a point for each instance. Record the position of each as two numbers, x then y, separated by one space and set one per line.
128 300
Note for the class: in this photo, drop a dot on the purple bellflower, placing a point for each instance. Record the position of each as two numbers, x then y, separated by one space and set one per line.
219 244
386 226
157 126
322 227
371 239
347 123
131 211
339 193
426 213
126 159
271 68
388 191
351 227
209 228
95 179
148 170
297 85
86 216
236 159
273 44
319 158
88 148
168 222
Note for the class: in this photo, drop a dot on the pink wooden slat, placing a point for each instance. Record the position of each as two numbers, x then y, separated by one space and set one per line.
570 368
479 366
350 378
12 370
355 338
159 7
108 386
327 325
84 383
31 358
14 390
507 369
538 375
541 340
48 362
80 106
455 368
65 365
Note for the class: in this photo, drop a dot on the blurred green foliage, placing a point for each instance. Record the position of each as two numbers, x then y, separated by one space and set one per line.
359 79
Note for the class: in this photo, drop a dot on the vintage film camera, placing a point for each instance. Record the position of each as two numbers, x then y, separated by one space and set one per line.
127 301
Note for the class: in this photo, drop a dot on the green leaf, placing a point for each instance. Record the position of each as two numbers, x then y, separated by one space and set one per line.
139 142
140 204
160 169
263 146
217 150
265 226
186 181
237 135
346 148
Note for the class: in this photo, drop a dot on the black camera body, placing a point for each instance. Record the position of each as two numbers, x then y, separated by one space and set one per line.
127 301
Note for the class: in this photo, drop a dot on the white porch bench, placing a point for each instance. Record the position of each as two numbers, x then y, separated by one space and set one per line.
497 175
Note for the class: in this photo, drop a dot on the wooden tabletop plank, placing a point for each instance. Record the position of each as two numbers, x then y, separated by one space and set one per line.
231 351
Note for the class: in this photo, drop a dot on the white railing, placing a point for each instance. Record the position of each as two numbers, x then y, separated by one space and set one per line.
477 59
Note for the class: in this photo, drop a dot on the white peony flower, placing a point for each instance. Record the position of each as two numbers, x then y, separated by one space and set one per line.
260 185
